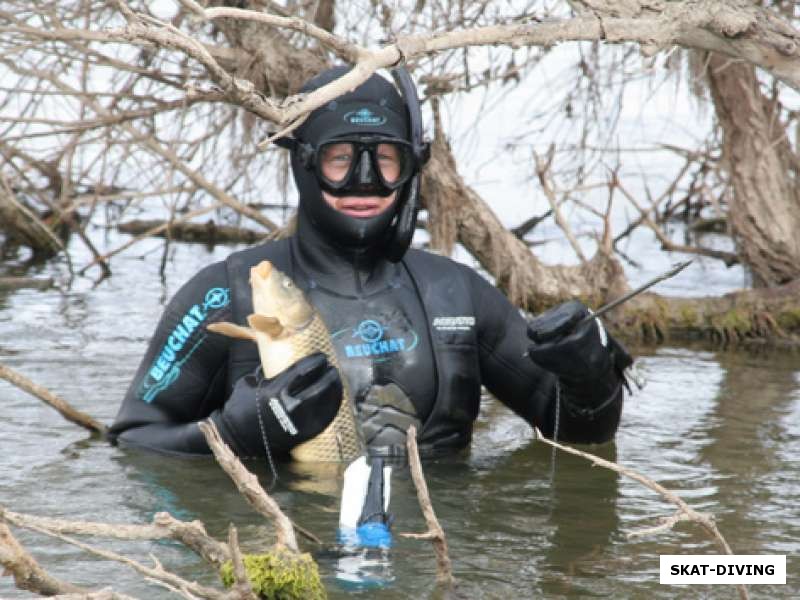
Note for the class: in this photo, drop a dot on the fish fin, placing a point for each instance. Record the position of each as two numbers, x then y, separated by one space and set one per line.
269 325
232 330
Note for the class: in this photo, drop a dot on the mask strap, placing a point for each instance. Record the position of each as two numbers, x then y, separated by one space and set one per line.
403 229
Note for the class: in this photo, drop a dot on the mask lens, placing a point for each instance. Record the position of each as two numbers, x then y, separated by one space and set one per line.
347 165
390 159
336 161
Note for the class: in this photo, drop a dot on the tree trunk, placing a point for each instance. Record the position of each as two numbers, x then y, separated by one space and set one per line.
205 233
765 208
458 213
22 225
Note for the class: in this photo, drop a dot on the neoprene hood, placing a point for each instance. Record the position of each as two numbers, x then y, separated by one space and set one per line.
375 108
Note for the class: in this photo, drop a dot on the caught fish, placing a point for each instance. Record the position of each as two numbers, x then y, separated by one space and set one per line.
286 328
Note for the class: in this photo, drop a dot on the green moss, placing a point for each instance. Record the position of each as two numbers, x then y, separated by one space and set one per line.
734 320
688 317
789 319
280 575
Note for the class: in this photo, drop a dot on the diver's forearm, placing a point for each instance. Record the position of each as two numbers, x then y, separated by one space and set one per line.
168 438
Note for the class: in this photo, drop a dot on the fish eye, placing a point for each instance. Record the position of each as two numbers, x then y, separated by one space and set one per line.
287 283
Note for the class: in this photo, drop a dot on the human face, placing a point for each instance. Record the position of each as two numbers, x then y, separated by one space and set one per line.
335 163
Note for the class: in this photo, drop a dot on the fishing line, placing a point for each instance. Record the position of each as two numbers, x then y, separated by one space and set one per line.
270 462
555 432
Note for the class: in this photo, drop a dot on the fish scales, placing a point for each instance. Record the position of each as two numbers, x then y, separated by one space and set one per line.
286 327
340 441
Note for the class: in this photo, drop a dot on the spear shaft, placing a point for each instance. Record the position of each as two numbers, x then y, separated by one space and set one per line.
614 304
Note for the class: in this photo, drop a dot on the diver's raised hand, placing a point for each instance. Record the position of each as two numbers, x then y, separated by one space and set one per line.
281 412
581 354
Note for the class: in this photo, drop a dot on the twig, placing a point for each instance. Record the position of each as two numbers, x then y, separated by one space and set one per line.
264 144
435 533
685 512
70 219
541 171
654 204
157 572
52 239
152 232
529 224
104 594
606 242
181 231
61 405
346 51
727 257
248 485
28 575
164 526
241 584
17 283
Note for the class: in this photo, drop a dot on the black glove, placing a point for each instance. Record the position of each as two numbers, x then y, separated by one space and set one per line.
587 360
292 407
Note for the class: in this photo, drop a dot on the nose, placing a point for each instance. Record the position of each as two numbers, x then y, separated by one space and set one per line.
365 174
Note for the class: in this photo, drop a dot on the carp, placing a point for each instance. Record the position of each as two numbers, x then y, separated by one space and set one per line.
286 327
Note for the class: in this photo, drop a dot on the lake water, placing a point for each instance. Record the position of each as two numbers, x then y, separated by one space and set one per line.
721 429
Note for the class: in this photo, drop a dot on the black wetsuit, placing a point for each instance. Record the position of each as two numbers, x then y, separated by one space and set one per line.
433 328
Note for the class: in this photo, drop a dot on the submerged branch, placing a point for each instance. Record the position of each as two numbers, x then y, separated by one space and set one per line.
248 485
61 405
435 533
157 229
208 232
18 283
685 512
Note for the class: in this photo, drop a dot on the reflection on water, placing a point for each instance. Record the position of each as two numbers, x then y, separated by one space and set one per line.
721 429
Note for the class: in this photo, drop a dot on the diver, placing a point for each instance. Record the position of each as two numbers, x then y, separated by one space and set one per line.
416 334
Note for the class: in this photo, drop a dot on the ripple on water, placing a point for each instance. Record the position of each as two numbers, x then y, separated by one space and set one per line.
721 429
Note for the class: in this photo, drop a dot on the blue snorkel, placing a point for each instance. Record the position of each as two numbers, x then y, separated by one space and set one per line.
363 518
364 525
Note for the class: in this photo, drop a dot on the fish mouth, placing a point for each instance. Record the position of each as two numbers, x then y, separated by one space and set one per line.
262 269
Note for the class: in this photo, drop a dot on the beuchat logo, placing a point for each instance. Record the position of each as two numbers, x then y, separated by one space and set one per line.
364 116
371 339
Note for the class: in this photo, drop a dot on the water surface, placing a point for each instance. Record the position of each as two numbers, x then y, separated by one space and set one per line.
722 429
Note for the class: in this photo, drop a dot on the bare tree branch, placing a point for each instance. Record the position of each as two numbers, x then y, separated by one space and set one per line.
542 168
164 526
727 257
45 395
156 572
248 485
435 533
27 573
705 521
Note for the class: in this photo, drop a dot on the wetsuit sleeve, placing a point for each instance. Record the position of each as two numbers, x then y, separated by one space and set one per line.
182 377
526 388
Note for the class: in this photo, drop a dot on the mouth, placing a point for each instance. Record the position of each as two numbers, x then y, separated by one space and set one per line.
361 208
